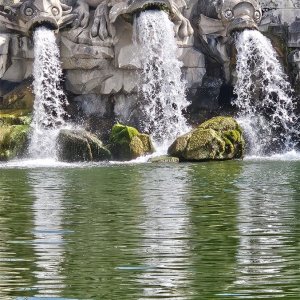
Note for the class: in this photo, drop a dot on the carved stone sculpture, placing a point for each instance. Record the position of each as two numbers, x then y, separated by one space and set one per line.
219 19
97 53
26 15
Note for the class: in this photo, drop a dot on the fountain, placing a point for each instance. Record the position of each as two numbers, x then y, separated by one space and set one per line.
147 84
264 96
161 87
49 113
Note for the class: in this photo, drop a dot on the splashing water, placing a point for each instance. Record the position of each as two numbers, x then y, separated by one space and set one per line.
162 89
48 116
264 96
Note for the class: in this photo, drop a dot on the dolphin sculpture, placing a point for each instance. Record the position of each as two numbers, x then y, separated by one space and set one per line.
219 19
24 16
222 17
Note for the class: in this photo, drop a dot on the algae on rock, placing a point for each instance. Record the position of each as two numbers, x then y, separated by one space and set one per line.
128 143
13 141
14 132
219 138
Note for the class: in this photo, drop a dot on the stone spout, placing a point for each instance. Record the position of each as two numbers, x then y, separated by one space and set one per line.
241 15
229 16
141 5
29 14
128 9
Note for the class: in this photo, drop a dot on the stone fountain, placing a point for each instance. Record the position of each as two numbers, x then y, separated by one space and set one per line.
101 65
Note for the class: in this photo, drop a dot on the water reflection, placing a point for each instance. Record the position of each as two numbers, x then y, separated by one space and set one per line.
213 202
15 250
164 242
265 221
48 242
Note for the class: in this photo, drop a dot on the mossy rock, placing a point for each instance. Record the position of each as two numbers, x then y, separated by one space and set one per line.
219 138
122 134
80 146
127 143
13 141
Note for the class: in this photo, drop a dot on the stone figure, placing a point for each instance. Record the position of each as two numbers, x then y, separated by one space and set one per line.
25 15
219 19
101 63
107 11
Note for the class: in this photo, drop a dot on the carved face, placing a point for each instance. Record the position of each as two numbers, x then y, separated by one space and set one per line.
239 14
32 13
135 6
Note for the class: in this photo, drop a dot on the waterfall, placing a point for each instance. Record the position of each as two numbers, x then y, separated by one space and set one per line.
264 96
48 115
162 88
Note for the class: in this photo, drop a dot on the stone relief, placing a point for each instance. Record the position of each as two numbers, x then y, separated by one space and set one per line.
219 19
101 62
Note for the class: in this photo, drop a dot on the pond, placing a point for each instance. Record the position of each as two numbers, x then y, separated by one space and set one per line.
222 230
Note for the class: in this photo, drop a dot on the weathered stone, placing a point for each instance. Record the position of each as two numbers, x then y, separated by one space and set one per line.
219 138
179 145
80 145
13 141
164 159
127 143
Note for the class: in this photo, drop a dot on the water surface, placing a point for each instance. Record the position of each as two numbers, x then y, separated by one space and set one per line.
227 230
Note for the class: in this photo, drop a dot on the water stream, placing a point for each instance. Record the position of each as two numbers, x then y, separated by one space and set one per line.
162 87
49 113
264 96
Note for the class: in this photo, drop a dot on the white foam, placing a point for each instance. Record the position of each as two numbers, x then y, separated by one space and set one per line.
288 156
48 163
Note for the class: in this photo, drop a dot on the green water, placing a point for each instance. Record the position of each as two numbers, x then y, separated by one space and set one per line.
228 230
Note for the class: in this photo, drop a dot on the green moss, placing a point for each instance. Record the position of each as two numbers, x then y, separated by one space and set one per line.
205 144
221 124
127 143
13 140
122 134
235 143
233 135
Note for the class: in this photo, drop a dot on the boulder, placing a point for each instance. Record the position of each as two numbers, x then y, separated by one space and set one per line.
80 145
13 141
128 143
219 138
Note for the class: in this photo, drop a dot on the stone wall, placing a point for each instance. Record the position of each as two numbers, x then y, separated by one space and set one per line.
101 76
